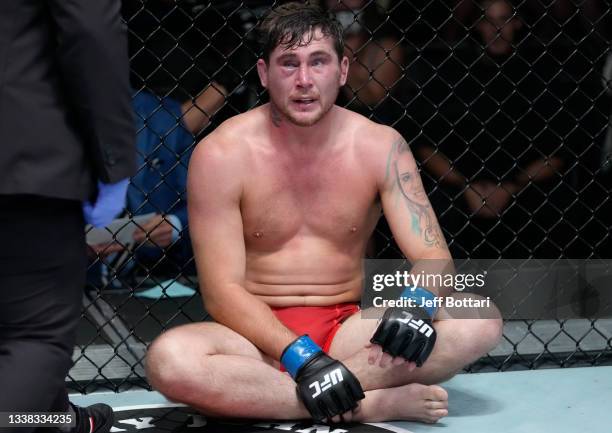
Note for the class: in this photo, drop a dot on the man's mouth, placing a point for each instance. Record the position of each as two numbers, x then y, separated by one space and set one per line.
304 102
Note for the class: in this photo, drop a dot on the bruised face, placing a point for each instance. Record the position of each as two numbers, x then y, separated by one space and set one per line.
303 82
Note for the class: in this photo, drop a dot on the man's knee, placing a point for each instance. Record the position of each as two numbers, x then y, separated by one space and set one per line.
478 336
166 361
176 355
467 341
490 333
478 329
490 328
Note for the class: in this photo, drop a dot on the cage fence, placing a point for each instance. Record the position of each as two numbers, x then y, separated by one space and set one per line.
505 104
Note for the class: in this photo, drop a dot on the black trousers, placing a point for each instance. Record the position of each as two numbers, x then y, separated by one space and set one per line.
42 275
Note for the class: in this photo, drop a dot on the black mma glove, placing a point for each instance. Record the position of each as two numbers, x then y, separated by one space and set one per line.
408 331
325 386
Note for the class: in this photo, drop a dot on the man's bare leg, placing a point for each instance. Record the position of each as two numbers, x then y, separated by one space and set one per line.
220 373
407 391
459 342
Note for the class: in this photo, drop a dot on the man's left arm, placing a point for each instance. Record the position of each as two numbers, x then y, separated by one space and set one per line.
409 213
408 332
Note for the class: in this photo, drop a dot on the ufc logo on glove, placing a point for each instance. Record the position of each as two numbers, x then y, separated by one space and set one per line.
315 372
329 380
420 325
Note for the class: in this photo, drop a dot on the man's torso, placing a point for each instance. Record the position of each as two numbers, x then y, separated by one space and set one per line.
307 218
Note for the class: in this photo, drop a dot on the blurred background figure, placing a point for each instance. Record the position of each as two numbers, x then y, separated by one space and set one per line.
166 134
180 88
489 141
377 57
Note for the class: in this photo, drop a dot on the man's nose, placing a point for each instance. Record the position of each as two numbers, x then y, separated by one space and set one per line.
304 79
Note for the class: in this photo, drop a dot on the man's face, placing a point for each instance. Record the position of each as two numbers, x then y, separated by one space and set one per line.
303 82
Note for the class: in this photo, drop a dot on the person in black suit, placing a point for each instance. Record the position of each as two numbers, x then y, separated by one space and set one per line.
68 149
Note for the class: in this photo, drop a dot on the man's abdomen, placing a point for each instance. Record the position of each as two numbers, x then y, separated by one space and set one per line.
306 277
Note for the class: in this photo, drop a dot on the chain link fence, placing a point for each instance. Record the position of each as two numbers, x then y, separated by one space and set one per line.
506 105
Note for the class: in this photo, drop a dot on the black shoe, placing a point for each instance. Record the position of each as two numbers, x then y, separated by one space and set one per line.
97 418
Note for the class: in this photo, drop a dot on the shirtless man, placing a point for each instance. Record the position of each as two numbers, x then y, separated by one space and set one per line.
282 201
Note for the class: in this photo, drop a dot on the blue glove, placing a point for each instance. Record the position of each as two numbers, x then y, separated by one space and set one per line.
109 203
325 386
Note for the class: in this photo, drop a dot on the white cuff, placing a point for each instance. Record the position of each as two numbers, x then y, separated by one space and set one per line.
176 226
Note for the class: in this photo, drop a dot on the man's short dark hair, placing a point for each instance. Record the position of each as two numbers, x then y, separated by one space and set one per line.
293 24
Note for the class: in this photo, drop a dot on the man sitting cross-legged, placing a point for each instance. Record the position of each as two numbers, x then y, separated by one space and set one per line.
282 201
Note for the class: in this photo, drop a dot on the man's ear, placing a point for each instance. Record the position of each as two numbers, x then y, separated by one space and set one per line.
262 71
344 67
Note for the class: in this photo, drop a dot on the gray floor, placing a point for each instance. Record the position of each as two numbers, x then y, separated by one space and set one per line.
558 400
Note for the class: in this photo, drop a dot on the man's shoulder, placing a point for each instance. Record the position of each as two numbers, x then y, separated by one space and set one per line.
369 136
232 137
371 142
222 157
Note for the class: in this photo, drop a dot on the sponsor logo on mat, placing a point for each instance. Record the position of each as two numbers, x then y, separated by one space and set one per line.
183 419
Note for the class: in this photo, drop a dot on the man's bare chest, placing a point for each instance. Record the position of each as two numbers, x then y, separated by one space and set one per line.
326 201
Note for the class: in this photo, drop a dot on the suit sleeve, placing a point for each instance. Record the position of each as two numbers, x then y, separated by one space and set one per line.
93 57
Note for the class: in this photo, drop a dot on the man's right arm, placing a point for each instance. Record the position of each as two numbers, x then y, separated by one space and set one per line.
214 188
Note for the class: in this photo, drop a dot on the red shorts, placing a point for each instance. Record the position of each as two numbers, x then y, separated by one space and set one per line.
320 323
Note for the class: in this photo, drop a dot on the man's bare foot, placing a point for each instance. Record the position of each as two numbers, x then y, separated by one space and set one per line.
412 402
